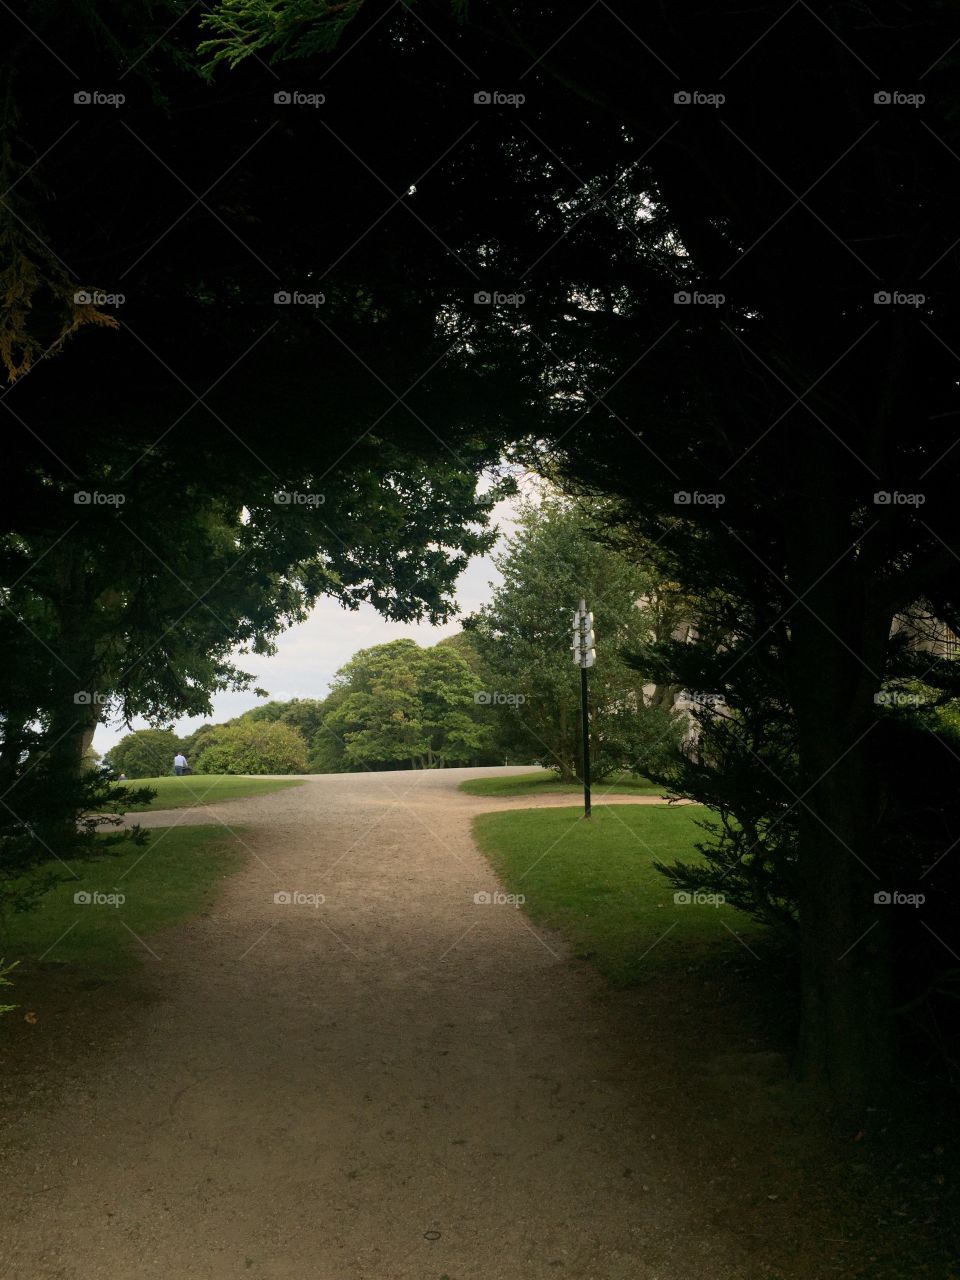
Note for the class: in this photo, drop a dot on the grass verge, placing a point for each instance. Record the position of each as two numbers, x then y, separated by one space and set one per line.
172 878
205 788
545 783
595 883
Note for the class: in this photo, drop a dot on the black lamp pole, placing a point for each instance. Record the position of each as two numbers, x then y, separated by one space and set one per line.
585 717
584 655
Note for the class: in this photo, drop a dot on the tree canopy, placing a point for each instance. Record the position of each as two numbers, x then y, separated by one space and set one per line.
523 640
400 705
146 753
254 746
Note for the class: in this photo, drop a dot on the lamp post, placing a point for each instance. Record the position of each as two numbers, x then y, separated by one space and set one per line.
584 655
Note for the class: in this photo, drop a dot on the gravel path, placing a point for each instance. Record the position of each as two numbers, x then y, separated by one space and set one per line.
396 1085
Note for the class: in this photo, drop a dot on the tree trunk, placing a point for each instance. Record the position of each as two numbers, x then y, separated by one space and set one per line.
837 649
77 713
845 995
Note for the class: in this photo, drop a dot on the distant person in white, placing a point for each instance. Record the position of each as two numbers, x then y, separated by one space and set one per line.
179 764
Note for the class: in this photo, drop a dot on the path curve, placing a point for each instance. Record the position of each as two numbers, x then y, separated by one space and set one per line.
385 788
398 1085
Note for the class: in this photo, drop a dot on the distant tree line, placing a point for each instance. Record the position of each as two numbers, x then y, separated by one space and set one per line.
503 689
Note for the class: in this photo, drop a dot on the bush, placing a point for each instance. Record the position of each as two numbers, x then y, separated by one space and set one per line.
255 746
145 753
194 744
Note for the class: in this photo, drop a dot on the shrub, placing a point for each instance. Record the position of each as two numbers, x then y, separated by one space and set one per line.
254 747
145 753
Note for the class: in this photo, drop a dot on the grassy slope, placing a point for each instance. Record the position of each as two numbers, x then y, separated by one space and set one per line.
200 788
595 883
546 783
174 877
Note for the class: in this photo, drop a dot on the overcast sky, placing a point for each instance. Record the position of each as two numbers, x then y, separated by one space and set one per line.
309 655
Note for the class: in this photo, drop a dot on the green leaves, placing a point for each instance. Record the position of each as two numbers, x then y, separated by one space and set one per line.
399 704
251 746
285 28
523 639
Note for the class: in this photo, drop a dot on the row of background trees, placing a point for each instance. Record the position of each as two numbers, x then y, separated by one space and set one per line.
504 688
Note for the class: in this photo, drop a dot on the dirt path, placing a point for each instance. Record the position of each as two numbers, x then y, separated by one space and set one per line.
396 1085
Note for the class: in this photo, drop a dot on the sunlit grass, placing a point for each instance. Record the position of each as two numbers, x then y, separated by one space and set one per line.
546 783
204 788
176 875
594 881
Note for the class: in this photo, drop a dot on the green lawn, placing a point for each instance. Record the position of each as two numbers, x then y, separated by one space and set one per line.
175 876
205 788
545 783
595 883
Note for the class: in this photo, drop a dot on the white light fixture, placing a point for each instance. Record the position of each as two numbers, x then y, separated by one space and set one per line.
584 641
